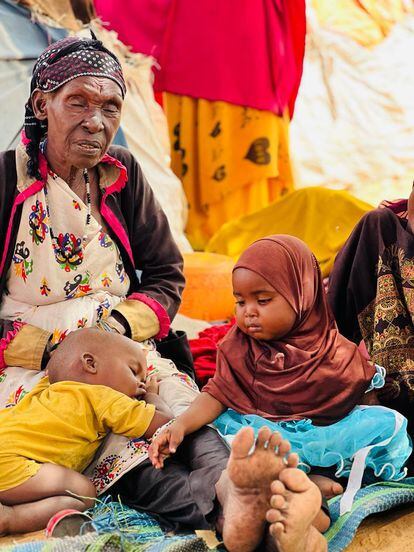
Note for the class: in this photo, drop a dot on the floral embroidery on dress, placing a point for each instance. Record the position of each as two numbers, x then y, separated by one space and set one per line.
44 289
120 270
68 251
105 240
78 287
22 265
82 323
38 226
107 470
106 279
58 336
112 466
76 204
186 380
103 309
16 396
386 323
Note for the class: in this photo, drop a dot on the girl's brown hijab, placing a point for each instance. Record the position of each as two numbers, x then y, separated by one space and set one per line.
313 372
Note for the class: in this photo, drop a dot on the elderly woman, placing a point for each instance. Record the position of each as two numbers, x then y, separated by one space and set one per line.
371 293
78 219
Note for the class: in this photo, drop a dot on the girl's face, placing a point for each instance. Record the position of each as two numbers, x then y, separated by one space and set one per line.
261 311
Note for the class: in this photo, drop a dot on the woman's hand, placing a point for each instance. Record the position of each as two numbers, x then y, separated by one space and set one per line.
165 444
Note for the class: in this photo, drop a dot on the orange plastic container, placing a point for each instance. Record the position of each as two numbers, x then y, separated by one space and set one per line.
208 293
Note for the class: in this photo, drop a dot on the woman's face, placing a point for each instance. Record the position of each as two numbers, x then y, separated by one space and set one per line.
82 117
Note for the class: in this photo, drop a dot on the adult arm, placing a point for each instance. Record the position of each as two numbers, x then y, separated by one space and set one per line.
155 254
23 345
353 281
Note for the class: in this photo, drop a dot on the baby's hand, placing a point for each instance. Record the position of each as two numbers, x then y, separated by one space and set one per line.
152 385
141 391
165 444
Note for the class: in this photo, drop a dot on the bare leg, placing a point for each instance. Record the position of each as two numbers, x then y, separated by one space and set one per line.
295 505
29 506
328 487
244 488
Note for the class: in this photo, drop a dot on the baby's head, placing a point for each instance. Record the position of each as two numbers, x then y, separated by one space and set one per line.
274 284
99 358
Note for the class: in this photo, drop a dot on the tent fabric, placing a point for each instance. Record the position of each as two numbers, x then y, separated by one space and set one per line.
234 51
354 121
232 160
367 22
67 13
321 218
21 41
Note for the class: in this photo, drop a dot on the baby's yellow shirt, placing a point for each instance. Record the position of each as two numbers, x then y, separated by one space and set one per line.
64 423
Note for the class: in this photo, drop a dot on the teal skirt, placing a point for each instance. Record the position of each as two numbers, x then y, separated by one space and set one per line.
336 445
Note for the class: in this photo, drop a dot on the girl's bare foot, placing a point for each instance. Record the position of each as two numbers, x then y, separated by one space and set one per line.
295 503
244 488
328 487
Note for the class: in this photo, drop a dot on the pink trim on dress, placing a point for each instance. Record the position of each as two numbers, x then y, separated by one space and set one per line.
159 310
20 198
35 187
25 139
5 342
107 213
119 184
116 226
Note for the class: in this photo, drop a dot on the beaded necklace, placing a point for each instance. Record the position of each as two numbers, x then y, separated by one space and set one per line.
58 246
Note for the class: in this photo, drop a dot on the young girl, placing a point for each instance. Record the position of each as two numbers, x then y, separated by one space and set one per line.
286 366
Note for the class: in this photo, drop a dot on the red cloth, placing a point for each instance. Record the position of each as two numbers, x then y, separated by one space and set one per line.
313 371
204 351
243 52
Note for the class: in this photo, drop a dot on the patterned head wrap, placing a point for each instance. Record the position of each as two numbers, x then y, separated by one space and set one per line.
60 63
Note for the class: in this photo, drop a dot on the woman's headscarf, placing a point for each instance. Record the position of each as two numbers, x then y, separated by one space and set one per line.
60 63
313 372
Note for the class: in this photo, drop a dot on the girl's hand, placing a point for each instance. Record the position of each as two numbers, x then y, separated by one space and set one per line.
152 385
165 444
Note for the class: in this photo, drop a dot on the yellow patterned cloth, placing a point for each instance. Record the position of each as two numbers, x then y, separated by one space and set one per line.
322 218
232 160
367 22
